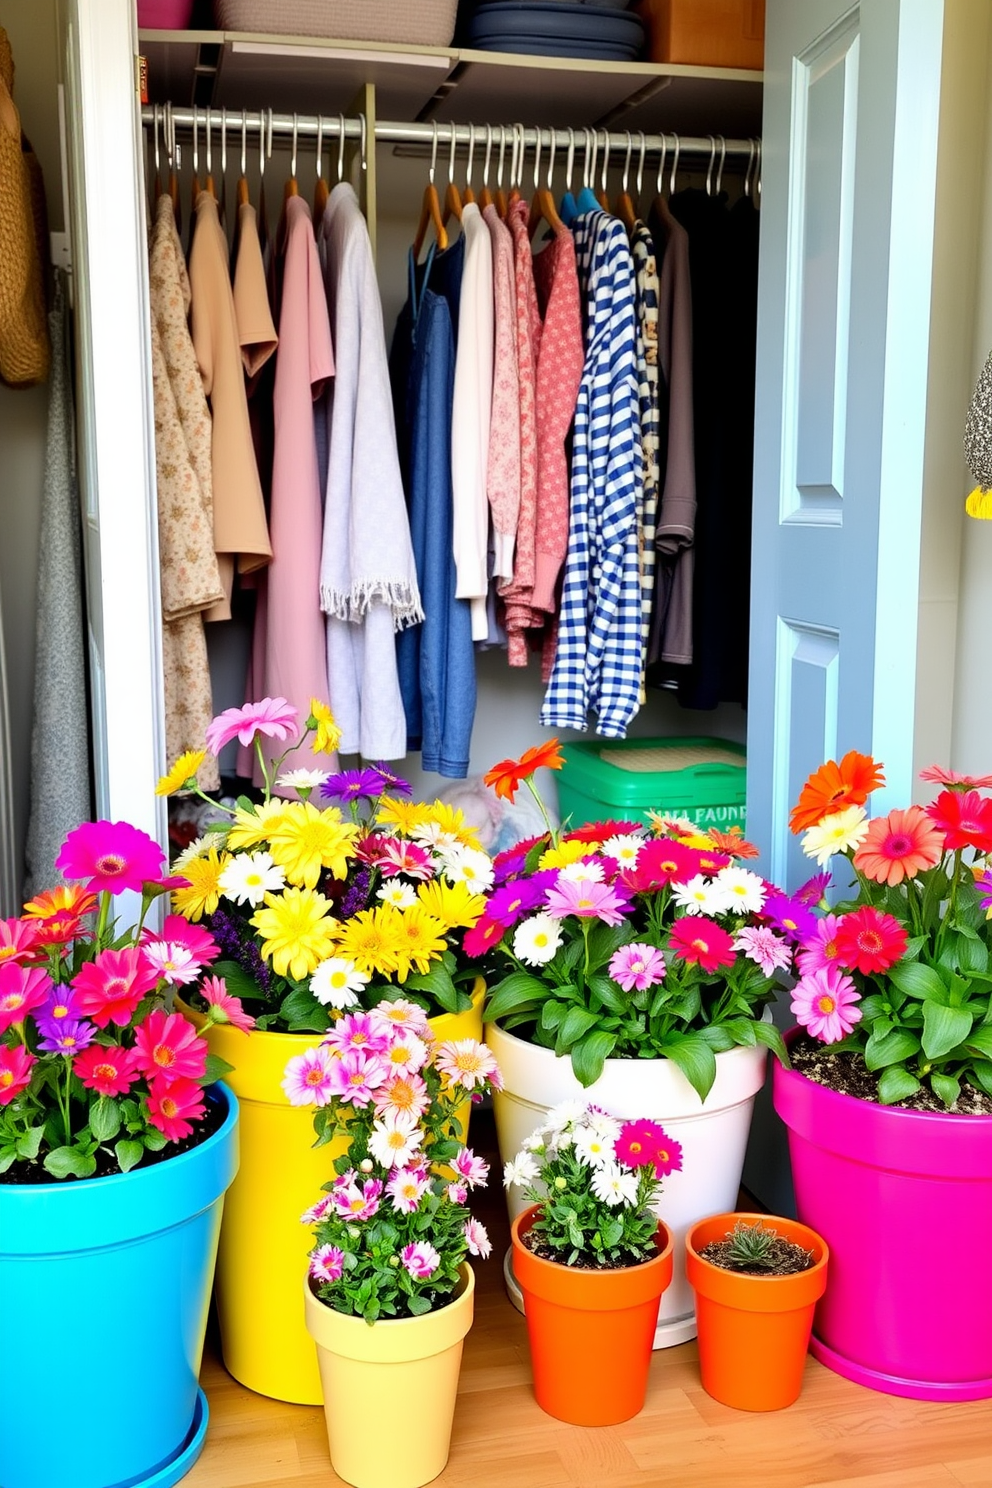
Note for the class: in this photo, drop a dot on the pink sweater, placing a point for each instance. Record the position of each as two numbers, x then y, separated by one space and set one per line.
559 371
518 592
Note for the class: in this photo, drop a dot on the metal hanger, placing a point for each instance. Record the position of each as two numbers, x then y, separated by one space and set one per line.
341 138
625 207
469 195
750 165
601 196
320 190
719 169
675 164
430 211
500 194
709 172
485 195
543 207
210 163
452 198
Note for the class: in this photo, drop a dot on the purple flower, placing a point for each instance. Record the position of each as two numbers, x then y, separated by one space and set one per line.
237 942
353 785
64 1035
984 887
813 889
637 965
511 901
62 1006
356 896
389 781
795 921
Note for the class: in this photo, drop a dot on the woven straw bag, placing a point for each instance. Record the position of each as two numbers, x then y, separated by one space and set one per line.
426 23
24 348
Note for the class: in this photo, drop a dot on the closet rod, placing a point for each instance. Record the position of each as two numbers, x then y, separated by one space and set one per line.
390 132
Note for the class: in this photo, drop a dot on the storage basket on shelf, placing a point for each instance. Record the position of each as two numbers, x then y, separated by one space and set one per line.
706 33
428 23
701 779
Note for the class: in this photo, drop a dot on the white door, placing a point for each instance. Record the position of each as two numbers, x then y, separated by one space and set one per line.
114 404
849 167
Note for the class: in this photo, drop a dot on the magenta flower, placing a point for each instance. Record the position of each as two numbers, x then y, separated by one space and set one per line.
637 965
420 1259
484 934
511 901
224 1007
819 951
457 1193
22 988
307 1078
352 1202
327 1263
396 856
273 717
110 857
477 1239
356 1076
474 1170
200 944
110 987
761 945
15 1071
68 1036
588 899
406 1188
17 939
813 889
825 1003
358 1031
173 961
354 785
317 1211
794 920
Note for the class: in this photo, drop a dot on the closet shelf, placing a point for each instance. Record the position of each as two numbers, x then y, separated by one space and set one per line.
234 70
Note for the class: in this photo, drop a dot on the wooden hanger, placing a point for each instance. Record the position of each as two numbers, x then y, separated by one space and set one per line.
485 195
321 191
625 207
452 200
430 211
542 207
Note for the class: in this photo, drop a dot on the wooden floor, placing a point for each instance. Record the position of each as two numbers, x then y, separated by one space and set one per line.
837 1433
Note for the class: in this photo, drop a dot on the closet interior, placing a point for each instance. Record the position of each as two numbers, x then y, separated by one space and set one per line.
672 153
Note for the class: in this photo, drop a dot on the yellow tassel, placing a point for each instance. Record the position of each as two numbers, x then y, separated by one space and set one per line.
979 504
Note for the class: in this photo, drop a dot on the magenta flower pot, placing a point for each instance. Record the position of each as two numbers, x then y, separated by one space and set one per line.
904 1201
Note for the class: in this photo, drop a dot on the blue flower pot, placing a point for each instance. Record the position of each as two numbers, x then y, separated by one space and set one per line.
104 1289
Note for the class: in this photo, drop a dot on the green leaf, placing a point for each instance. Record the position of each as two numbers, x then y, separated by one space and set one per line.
517 991
129 1154
576 1023
8 1156
742 1032
980 1040
918 981
895 1084
216 1069
946 1086
436 981
981 1075
105 1119
719 1037
552 1013
944 1028
608 993
771 1037
303 1013
69 1162
973 955
890 1048
239 982
29 1142
418 1304
589 1056
153 1139
695 1059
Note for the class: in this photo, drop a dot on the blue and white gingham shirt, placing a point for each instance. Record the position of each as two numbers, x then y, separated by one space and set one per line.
599 659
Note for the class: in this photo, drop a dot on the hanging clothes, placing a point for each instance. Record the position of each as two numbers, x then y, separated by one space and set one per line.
518 592
191 582
598 661
503 465
647 288
289 657
241 535
471 419
671 637
436 658
252 312
368 578
61 795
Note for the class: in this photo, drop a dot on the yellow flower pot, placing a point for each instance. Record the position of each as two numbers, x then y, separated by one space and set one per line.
405 1367
263 1245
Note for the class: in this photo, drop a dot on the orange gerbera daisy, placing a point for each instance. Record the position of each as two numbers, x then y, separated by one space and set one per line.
70 899
733 843
834 787
899 846
507 777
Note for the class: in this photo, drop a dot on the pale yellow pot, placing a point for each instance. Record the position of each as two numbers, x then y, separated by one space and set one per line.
390 1388
263 1246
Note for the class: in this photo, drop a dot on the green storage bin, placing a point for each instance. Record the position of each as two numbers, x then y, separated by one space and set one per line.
704 780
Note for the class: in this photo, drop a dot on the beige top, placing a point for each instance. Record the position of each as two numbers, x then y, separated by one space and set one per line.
256 331
240 529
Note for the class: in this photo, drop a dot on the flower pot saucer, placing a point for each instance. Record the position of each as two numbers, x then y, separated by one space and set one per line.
177 1467
892 1384
667 1334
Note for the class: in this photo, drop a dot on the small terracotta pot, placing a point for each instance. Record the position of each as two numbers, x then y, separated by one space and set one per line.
590 1332
754 1330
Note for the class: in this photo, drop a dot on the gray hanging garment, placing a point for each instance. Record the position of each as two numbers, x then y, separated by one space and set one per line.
978 445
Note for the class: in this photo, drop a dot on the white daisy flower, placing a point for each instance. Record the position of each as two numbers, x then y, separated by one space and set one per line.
614 1186
471 866
623 848
302 780
534 1143
399 895
565 1113
248 877
536 940
196 849
603 1124
593 1150
698 896
395 1139
578 871
744 891
336 983
521 1170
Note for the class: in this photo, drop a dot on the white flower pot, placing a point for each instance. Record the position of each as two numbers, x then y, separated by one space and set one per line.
713 1134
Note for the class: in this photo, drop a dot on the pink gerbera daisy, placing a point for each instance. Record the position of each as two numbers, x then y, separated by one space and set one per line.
307 1077
18 939
474 1170
937 775
420 1259
761 945
224 1007
111 986
397 856
110 857
358 1031
168 1047
588 899
174 962
15 1071
901 845
869 940
637 966
701 941
477 1239
107 1069
356 1076
180 931
22 988
820 949
327 1263
644 1143
826 1004
465 1062
406 1188
173 1106
273 717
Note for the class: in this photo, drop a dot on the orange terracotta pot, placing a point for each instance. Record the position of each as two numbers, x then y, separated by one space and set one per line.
590 1332
754 1330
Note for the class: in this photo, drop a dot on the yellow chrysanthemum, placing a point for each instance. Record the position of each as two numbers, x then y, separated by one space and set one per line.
298 931
305 841
565 853
420 940
327 735
184 769
700 840
370 940
404 816
451 903
252 828
451 819
203 894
